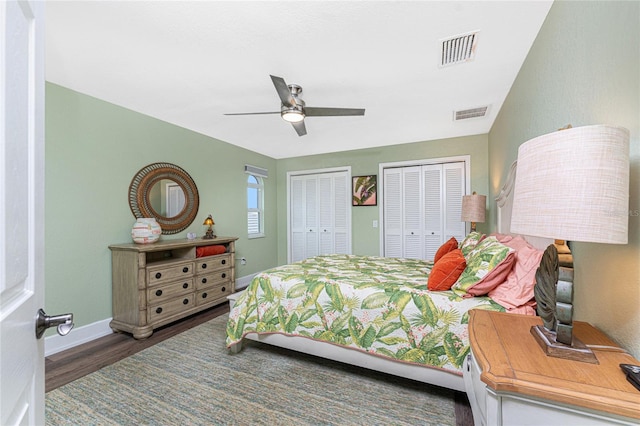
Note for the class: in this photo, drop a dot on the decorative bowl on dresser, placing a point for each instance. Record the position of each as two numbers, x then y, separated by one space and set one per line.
156 284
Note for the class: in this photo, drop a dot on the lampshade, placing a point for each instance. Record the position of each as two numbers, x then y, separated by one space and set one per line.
574 185
473 208
209 221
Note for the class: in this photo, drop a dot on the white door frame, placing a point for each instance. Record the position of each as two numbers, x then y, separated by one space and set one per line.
346 169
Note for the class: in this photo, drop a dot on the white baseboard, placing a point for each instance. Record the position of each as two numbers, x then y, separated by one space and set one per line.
243 282
77 336
56 343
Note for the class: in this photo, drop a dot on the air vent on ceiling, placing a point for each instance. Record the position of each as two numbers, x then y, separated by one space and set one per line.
470 113
458 49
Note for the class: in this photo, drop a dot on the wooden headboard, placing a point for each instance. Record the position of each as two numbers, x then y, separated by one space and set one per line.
504 202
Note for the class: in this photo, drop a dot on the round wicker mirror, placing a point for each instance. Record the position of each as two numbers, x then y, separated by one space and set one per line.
167 193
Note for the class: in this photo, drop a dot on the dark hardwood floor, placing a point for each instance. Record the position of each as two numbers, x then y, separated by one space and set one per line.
67 366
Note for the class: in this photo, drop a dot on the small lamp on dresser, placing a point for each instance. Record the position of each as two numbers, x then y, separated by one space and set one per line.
209 234
473 209
572 184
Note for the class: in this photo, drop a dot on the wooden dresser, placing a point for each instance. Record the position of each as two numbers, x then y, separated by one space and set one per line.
155 284
509 380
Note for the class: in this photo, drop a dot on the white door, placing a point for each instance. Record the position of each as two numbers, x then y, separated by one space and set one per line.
21 211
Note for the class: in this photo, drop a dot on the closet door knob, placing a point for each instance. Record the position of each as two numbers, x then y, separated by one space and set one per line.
224 289
185 269
185 285
224 275
158 292
158 275
224 261
158 310
204 281
185 302
204 266
204 295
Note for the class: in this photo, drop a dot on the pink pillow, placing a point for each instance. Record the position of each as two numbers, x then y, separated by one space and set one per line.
448 246
517 291
495 277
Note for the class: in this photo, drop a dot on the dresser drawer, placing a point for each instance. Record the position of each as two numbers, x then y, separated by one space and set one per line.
162 274
164 292
212 263
169 308
212 294
207 280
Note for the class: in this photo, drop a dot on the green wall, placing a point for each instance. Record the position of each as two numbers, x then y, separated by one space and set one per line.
365 238
93 150
583 69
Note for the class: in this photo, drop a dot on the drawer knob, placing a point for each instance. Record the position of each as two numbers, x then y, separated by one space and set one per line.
224 261
185 285
185 269
158 310
204 266
185 302
158 292
224 275
204 281
224 289
204 295
158 275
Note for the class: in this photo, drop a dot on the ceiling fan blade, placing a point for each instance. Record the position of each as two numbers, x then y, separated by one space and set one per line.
283 91
300 128
328 112
253 113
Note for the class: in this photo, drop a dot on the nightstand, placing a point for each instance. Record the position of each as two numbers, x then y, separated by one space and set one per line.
509 380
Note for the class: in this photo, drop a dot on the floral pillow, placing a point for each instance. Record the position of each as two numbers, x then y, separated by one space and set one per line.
470 242
488 265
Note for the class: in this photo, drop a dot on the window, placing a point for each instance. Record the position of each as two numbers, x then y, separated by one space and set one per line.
255 206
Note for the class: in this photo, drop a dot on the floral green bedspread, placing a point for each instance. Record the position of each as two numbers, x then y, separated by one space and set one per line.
373 304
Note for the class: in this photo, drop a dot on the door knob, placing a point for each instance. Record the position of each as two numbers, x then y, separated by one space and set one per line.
63 322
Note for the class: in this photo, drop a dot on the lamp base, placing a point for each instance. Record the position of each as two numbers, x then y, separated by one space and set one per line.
209 235
578 351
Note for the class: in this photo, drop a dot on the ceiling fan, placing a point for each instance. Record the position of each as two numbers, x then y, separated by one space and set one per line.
294 110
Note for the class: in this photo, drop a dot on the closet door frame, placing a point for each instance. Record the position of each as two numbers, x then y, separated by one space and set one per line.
345 169
409 163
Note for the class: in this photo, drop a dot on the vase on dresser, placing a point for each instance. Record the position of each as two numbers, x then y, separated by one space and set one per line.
146 230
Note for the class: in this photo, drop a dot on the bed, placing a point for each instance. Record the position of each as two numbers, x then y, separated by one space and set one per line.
384 314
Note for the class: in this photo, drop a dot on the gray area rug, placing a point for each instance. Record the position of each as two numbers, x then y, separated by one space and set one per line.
191 379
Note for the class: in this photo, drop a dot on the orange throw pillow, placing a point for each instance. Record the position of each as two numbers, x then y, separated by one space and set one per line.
449 245
446 272
210 250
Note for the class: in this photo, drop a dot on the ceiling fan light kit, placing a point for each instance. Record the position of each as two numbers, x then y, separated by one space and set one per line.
293 110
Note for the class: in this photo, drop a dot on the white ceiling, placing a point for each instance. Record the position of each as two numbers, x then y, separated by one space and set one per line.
188 63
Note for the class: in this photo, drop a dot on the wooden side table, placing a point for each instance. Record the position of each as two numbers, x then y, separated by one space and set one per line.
509 380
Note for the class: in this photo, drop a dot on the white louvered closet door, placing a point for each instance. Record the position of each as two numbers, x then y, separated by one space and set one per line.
454 188
393 212
297 218
319 218
433 211
412 212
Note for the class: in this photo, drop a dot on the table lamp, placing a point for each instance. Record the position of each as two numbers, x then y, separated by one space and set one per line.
473 209
209 234
571 185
